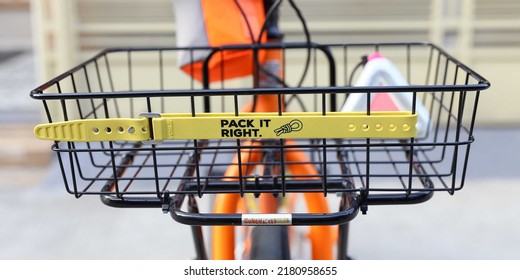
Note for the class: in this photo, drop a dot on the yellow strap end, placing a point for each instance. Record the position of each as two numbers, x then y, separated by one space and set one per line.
95 130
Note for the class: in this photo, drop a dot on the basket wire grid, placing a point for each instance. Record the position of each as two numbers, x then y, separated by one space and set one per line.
124 83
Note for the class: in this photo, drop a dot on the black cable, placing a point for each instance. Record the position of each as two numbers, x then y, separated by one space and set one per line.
270 13
307 34
298 99
363 62
307 38
248 25
249 29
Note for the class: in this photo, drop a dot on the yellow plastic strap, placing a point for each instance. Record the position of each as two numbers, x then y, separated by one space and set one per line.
229 126
289 125
95 130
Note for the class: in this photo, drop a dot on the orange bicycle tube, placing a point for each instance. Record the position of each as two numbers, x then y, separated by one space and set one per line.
321 237
269 102
223 237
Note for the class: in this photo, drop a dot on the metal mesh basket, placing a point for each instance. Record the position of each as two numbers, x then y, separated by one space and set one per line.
145 87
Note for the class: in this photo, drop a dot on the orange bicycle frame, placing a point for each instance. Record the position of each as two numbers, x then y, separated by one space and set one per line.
223 237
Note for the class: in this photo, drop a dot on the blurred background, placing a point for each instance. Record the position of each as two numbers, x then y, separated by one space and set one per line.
40 39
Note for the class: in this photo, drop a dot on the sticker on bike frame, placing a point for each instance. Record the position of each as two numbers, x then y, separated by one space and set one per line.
266 219
228 126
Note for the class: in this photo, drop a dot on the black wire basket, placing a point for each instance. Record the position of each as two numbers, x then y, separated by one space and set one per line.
144 86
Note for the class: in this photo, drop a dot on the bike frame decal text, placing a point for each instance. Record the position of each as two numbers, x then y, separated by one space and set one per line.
266 219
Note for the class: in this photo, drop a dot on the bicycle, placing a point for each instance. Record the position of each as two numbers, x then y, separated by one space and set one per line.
272 142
